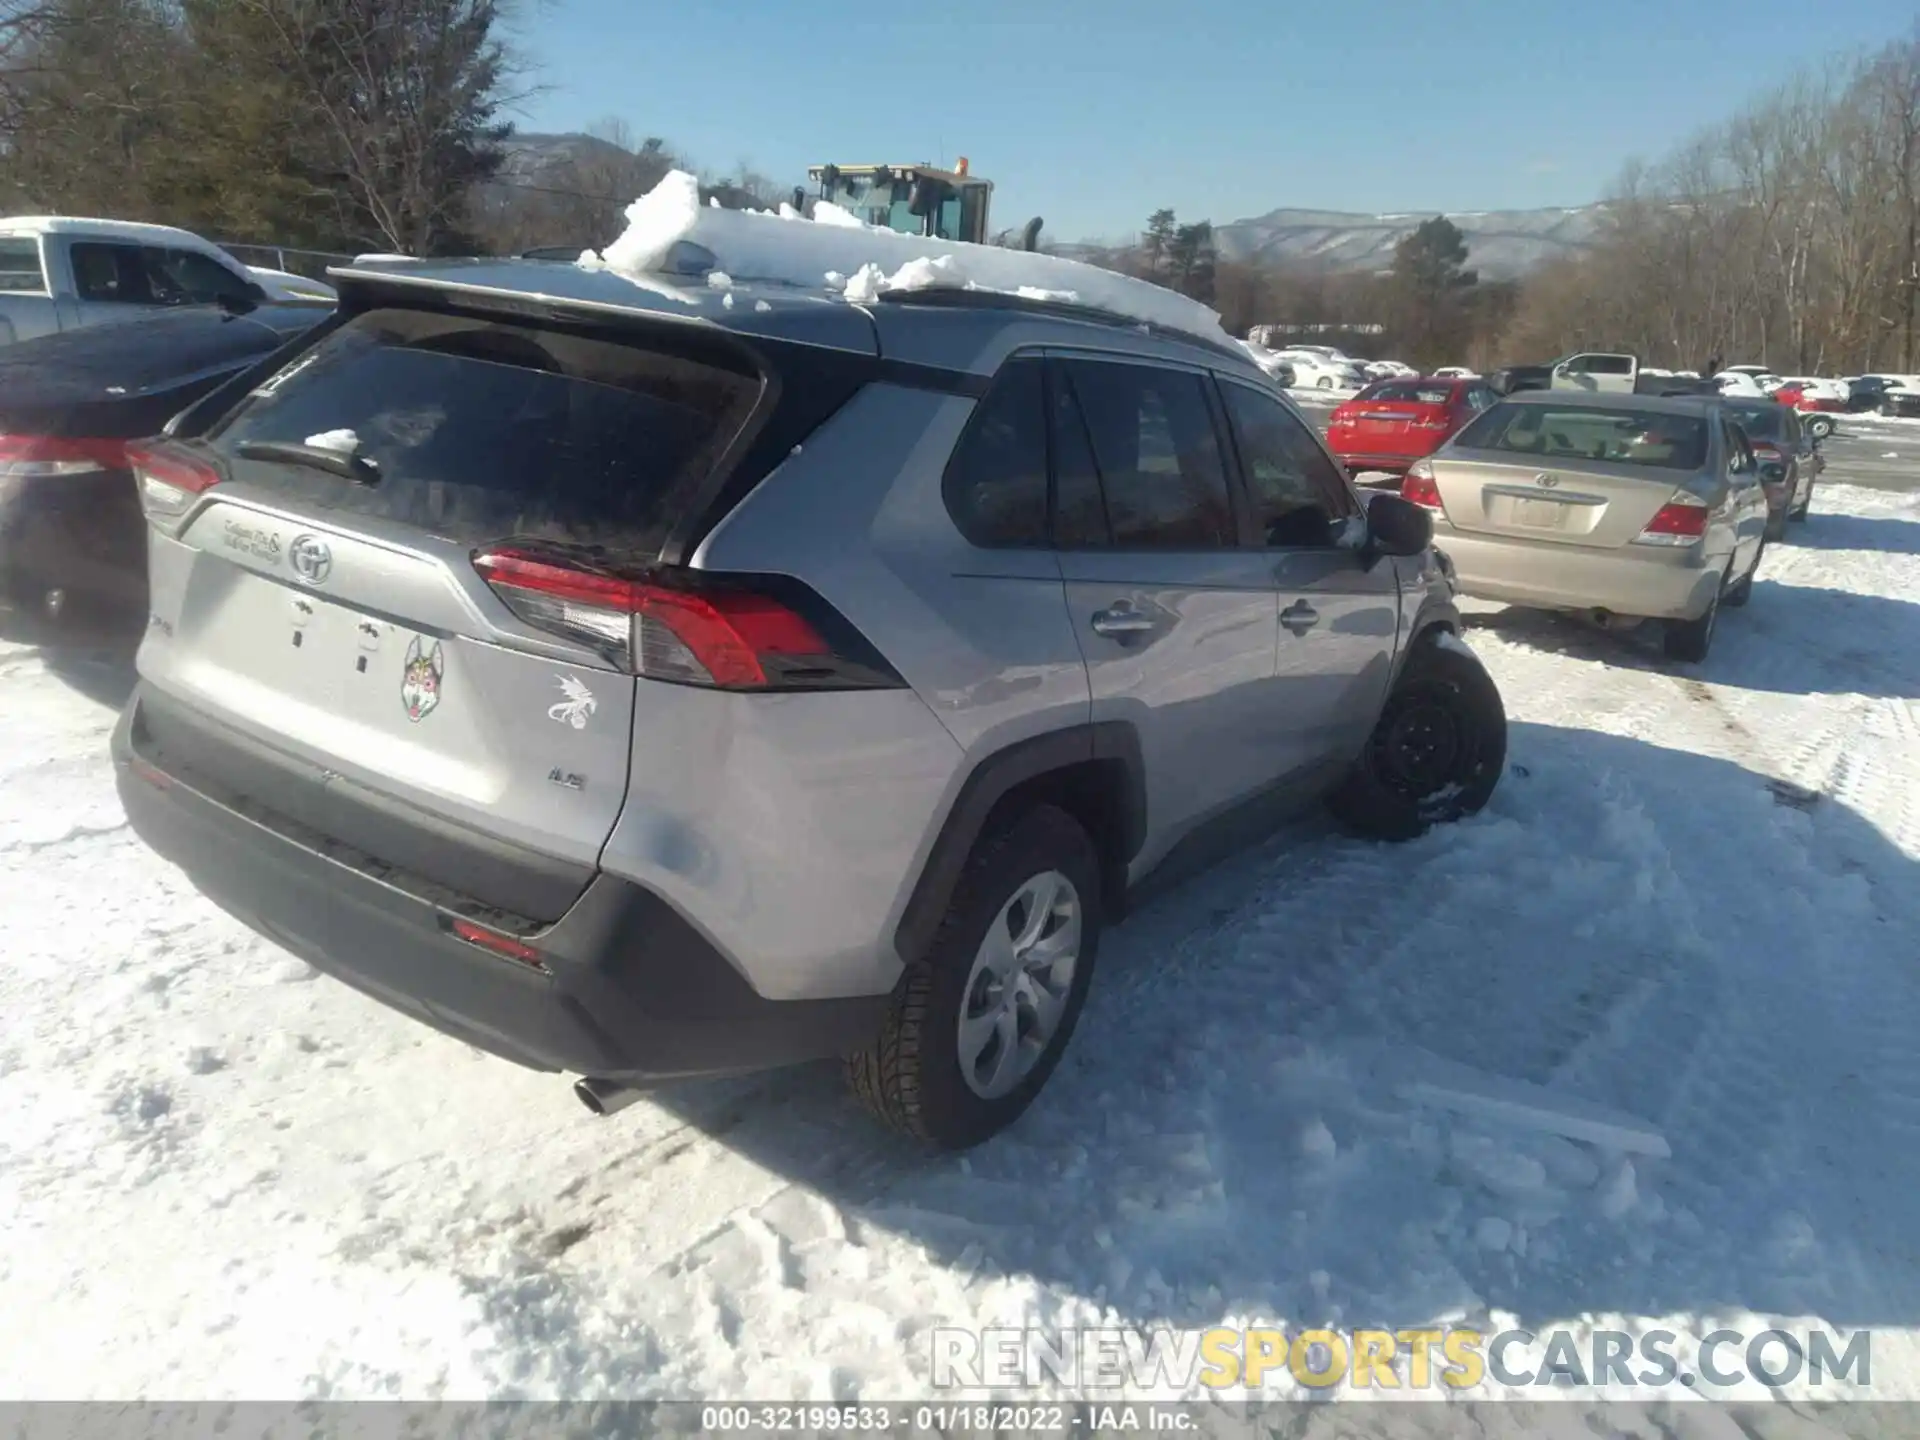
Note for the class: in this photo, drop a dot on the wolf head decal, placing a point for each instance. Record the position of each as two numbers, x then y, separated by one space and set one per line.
420 680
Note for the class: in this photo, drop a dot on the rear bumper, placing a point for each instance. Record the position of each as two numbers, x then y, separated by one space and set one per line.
625 988
1646 581
80 533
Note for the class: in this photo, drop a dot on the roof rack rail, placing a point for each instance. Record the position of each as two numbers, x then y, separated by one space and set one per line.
1056 309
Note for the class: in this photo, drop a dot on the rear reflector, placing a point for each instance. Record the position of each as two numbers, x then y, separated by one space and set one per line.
30 455
684 627
1419 486
1681 521
169 478
504 945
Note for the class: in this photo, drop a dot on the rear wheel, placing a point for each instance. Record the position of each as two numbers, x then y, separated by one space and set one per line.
1776 526
1435 753
1325 382
1799 515
977 1025
1689 640
1820 426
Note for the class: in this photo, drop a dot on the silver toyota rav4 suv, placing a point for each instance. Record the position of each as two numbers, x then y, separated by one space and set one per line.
653 680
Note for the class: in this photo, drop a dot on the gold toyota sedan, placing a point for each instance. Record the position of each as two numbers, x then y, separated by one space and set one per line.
1620 507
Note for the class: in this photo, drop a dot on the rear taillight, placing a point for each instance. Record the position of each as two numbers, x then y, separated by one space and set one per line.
37 455
1433 420
169 478
1765 453
731 633
1340 418
1681 521
1419 486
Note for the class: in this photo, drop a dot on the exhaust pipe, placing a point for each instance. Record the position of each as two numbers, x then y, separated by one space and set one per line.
603 1097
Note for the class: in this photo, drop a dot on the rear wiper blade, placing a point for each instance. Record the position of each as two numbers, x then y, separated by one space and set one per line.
348 467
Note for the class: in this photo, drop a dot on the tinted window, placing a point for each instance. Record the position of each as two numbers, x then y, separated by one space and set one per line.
1762 422
1601 365
1615 437
996 482
480 430
183 277
109 274
1295 490
1079 508
20 266
1740 459
1156 453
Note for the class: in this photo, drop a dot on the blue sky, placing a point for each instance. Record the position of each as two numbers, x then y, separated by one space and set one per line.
1092 114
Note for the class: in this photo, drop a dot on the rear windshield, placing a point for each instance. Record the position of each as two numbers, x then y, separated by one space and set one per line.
1410 391
480 430
1619 437
1762 422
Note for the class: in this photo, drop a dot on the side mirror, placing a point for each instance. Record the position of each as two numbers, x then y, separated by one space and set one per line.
1396 526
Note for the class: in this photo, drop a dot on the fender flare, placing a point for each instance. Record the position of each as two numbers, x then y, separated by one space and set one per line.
1434 615
991 781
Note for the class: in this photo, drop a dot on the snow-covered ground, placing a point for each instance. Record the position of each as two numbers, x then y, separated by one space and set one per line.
222 1176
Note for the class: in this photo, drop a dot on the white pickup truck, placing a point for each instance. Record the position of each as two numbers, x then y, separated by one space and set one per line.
61 272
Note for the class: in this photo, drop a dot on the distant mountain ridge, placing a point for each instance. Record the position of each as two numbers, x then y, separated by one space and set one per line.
1501 244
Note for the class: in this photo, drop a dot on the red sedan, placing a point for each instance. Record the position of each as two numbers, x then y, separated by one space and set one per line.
1392 423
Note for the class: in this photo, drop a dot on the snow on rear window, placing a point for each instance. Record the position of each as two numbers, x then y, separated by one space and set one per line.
839 250
479 430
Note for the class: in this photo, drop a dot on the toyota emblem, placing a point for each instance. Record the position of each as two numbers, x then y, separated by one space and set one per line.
312 561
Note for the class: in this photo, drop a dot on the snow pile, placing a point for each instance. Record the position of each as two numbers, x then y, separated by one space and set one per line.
785 247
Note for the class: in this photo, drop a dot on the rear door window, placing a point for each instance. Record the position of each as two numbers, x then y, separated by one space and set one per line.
1153 443
996 482
20 272
479 430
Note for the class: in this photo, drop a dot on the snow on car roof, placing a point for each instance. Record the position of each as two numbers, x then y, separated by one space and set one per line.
865 262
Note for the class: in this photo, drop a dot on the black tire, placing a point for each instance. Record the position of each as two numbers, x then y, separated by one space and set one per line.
1689 640
1741 590
910 1077
1776 527
1446 707
1820 428
1799 516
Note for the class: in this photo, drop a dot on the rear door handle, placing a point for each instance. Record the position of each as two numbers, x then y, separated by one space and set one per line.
1299 617
1121 619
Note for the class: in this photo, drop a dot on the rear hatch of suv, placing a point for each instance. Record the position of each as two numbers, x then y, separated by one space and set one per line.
404 592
